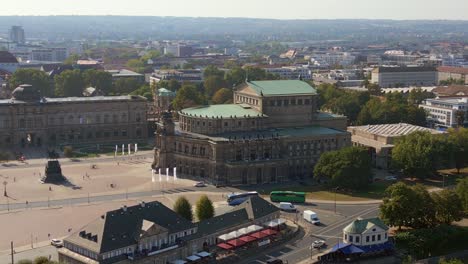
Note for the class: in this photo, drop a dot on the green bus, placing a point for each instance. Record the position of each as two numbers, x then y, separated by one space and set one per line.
287 196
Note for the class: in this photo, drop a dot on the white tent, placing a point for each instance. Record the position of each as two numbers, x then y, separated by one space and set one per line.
254 228
203 254
275 222
226 237
193 258
243 231
235 234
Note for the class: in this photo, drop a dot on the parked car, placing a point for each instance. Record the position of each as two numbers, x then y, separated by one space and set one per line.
391 178
311 217
276 261
318 244
199 184
56 243
288 207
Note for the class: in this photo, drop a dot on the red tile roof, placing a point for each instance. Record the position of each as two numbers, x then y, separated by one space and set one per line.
459 70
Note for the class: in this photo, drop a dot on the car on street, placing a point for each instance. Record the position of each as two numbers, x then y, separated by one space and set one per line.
318 244
391 178
199 184
288 207
56 243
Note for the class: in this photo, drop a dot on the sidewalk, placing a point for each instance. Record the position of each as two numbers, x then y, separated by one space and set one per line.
344 202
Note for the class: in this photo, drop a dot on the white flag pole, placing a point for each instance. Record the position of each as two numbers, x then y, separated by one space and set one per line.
175 173
152 176
123 149
160 178
116 149
167 174
136 148
129 149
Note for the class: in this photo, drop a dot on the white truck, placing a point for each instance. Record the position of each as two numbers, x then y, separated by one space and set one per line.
311 217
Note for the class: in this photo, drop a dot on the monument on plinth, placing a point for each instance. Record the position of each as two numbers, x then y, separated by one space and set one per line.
53 172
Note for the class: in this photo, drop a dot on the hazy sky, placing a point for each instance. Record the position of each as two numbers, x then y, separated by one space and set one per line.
280 9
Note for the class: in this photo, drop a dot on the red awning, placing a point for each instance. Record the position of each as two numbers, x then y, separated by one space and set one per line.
248 239
269 232
224 246
236 242
258 235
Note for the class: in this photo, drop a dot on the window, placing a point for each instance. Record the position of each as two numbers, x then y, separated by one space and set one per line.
367 238
346 236
357 239
350 238
225 124
278 102
272 103
373 238
124 133
307 101
299 101
378 237
286 102
293 101
116 133
385 236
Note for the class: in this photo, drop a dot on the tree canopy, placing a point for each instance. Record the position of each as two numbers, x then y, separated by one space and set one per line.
204 208
36 78
462 192
125 86
100 80
183 207
448 206
188 96
345 168
69 83
222 96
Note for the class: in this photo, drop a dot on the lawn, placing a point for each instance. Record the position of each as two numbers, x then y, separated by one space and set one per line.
373 191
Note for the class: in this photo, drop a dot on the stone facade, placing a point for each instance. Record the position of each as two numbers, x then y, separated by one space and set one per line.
28 120
265 137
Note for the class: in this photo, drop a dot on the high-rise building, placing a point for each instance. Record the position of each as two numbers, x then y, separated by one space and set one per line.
17 34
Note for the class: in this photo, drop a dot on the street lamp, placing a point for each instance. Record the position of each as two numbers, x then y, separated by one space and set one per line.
4 188
335 189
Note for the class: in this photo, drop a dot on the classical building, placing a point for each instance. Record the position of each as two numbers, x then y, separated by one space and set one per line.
151 233
379 139
387 77
273 132
446 112
29 120
446 73
371 231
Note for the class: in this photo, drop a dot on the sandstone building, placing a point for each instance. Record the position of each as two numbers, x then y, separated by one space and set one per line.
29 120
273 132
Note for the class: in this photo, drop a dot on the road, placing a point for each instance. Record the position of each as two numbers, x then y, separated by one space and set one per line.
330 231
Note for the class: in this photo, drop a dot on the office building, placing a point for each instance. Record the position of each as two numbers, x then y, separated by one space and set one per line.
443 112
388 77
16 34
446 73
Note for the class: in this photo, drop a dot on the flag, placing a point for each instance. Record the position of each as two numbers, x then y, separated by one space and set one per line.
160 179
152 176
167 174
129 149
123 149
175 173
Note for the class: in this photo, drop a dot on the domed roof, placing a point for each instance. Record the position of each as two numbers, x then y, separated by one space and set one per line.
26 92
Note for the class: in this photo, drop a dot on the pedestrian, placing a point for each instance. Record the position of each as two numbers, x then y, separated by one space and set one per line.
14 179
83 177
118 163
50 188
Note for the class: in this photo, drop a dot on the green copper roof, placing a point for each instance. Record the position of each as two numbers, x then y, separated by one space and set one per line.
222 111
358 226
281 87
165 92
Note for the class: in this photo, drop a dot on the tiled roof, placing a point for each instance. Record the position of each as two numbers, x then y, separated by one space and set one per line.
452 90
459 70
121 228
258 207
358 226
399 129
7 57
222 111
281 87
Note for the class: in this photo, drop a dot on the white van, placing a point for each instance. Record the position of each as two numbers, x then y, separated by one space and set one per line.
287 207
311 217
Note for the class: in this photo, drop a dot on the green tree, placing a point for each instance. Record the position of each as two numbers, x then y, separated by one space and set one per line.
212 84
448 206
125 86
183 207
137 65
36 78
69 83
462 192
374 89
24 261
101 80
398 205
418 154
222 96
4 156
188 96
41 260
460 116
347 168
235 76
417 95
450 261
425 212
204 208
458 139
145 91
212 70
72 59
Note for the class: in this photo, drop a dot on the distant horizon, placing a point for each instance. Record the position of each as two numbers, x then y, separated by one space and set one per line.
450 10
234 17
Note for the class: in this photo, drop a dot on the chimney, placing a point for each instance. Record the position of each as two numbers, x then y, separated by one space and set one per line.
142 204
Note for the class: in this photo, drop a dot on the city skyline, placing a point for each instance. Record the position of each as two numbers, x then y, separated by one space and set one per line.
296 9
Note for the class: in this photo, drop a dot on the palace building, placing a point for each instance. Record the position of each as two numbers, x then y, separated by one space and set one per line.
29 120
273 132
